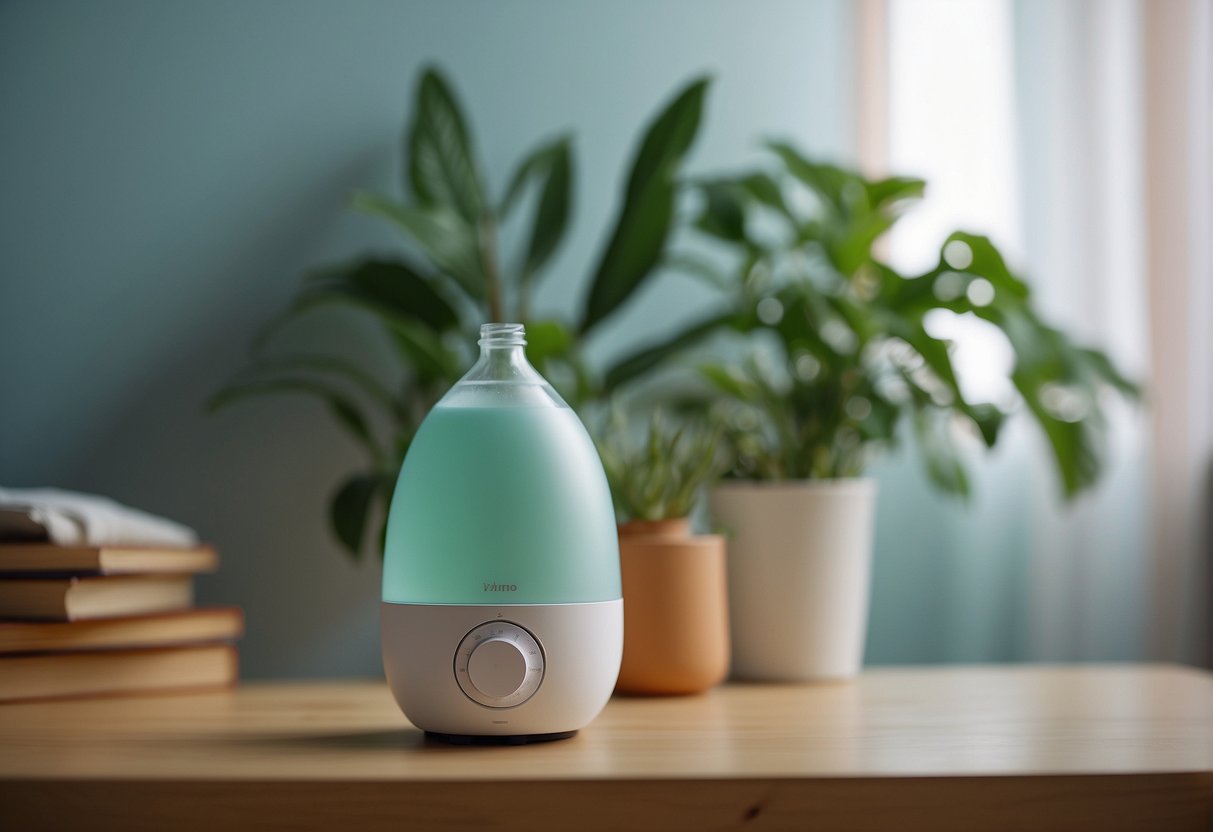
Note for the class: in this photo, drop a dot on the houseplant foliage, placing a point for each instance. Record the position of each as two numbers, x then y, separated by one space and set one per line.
432 298
843 353
839 356
676 630
659 475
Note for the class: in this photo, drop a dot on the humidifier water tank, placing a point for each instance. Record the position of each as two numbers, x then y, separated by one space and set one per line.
502 614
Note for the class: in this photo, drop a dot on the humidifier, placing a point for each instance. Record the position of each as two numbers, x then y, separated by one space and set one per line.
502 614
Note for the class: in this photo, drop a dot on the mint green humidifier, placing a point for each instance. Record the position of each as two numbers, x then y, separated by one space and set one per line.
502 614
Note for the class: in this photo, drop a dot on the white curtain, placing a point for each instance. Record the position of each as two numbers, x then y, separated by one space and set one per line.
1029 120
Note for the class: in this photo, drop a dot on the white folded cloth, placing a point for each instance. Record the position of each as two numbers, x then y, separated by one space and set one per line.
68 518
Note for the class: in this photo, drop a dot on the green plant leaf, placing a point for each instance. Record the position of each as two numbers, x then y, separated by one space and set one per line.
884 192
272 365
532 165
731 383
723 213
444 237
430 358
835 186
416 329
988 263
1077 446
350 509
986 417
852 248
546 340
392 284
551 212
764 189
441 165
635 248
939 453
850 326
386 495
698 268
1109 374
668 138
639 237
646 358
659 476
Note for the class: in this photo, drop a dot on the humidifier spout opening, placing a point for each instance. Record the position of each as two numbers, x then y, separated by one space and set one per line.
502 359
502 335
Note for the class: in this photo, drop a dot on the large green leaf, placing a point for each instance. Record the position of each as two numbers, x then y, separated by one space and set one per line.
699 268
422 346
391 284
668 138
1046 360
836 187
350 509
551 211
723 213
448 241
988 263
531 167
635 248
852 247
441 163
419 338
639 237
652 355
939 452
732 383
430 358
1108 373
885 192
276 365
1077 446
765 190
546 340
987 418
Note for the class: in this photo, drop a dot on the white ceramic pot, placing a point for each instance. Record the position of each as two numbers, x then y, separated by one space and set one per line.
800 557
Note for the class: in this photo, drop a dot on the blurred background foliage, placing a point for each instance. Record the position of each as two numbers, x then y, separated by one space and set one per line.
850 354
433 302
836 348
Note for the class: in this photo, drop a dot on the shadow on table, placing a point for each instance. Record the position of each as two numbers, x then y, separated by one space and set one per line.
400 738
396 738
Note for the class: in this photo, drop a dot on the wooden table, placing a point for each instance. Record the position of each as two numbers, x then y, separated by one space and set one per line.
1094 747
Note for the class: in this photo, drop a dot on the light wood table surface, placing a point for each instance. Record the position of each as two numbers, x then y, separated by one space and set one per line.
1014 747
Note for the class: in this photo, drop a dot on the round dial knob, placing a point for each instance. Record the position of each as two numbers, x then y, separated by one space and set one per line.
499 664
497 667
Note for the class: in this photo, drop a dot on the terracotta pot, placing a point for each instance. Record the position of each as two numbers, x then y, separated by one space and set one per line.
678 528
675 609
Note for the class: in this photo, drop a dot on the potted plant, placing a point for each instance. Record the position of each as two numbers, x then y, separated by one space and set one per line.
841 361
432 300
675 609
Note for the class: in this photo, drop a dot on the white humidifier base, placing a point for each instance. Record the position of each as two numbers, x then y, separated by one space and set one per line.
522 670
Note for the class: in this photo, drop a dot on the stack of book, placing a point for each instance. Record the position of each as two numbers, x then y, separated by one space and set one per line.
103 620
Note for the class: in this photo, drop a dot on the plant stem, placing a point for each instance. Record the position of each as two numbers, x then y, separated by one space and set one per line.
488 258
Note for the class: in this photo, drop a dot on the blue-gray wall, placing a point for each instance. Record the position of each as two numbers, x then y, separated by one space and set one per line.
168 169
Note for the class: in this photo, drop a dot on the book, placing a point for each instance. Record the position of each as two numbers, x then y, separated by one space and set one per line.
70 599
160 629
47 558
109 672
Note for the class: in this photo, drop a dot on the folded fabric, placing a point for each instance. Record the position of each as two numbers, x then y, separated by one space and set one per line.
68 518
